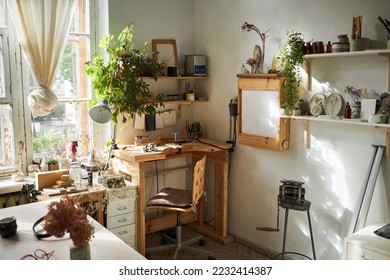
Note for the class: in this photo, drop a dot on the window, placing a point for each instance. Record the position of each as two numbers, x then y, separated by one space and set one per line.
7 156
22 138
52 134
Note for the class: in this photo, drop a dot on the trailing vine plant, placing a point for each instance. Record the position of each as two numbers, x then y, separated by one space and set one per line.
290 57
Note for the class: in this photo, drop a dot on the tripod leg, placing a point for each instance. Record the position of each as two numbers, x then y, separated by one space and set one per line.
285 233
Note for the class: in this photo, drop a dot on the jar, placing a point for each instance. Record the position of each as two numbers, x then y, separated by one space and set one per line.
75 174
84 178
301 105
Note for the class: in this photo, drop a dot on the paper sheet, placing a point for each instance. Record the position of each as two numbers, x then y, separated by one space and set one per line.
170 117
139 122
160 120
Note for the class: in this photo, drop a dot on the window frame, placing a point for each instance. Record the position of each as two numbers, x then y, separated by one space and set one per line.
19 89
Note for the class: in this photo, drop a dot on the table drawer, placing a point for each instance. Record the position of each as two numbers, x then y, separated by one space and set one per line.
355 252
116 207
120 220
126 233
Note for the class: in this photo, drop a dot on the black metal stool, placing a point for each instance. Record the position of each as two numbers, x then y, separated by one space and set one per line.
291 196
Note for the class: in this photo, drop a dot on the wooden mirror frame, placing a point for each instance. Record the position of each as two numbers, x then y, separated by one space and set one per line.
156 50
263 82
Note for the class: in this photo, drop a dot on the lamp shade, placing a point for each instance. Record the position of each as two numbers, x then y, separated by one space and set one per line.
100 112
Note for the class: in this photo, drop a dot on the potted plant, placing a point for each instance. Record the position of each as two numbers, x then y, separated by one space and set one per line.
67 216
119 81
52 164
290 57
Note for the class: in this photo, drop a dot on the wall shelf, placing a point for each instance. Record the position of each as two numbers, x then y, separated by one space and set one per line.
309 57
178 78
379 52
308 119
185 102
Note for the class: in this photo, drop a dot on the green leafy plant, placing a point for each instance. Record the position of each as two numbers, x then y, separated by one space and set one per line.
119 81
290 57
52 161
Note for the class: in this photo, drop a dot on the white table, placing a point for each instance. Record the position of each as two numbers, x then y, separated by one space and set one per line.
104 246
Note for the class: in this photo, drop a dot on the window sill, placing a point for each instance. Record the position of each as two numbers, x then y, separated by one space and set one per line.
9 186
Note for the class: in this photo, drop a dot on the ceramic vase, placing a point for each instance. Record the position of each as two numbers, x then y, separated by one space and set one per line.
82 252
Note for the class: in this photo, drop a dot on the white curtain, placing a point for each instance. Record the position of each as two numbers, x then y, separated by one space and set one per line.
42 27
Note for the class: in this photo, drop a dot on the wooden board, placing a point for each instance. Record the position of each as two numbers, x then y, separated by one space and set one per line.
49 178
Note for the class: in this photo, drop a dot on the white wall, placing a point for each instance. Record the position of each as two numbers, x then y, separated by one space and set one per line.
333 167
168 19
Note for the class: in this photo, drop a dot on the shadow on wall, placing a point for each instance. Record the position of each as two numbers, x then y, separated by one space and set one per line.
332 208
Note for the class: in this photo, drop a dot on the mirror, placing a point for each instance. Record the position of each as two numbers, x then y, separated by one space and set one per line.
165 52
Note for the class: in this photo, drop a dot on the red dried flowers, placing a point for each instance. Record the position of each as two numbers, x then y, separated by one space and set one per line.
67 216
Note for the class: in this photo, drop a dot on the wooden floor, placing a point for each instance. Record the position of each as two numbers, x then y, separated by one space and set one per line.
234 251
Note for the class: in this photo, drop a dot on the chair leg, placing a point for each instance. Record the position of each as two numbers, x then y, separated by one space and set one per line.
179 245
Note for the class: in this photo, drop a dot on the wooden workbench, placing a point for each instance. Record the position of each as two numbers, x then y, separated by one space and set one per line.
133 162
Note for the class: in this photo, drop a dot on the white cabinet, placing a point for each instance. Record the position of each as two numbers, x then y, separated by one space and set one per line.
121 218
366 245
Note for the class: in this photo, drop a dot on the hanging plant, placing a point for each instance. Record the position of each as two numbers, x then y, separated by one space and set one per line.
290 56
119 81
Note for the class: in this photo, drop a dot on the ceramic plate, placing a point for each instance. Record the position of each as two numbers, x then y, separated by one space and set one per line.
316 104
333 104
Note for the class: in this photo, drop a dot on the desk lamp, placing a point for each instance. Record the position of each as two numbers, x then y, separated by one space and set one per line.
101 113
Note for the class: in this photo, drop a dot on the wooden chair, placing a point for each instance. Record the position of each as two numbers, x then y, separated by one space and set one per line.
179 200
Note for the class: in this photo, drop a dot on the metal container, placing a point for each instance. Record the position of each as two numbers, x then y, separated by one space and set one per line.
195 65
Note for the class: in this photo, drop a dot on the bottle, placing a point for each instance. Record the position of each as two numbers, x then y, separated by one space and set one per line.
75 174
84 178
329 47
347 111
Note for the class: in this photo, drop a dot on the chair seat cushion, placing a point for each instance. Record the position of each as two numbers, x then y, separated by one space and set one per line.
171 197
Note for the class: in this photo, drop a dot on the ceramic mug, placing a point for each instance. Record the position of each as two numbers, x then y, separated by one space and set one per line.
8 227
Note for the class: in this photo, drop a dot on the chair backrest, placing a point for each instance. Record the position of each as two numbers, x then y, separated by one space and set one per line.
198 180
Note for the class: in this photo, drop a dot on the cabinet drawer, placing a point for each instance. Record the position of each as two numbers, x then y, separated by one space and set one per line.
120 220
116 207
126 233
355 252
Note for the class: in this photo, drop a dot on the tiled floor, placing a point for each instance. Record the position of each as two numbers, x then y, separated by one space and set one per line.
234 251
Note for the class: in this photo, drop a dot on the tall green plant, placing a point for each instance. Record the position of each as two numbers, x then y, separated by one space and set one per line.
291 56
119 81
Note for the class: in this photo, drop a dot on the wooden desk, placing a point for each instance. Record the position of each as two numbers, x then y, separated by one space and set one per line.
133 162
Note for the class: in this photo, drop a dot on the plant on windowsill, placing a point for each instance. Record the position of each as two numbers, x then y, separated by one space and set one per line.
290 56
119 81
52 164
